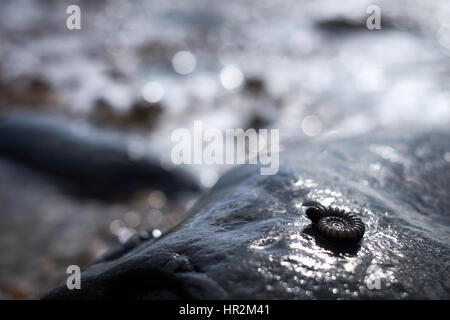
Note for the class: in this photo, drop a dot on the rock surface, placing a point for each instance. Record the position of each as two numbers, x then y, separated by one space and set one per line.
248 238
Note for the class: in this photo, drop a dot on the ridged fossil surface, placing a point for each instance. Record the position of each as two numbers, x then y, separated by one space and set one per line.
335 224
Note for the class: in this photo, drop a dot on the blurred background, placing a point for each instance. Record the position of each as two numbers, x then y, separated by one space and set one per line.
144 68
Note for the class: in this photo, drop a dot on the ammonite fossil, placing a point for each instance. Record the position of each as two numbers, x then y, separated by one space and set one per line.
335 224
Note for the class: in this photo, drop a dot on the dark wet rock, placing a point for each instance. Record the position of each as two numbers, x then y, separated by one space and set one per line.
258 121
157 53
255 85
264 112
93 162
264 107
117 75
341 25
31 91
249 237
345 24
141 114
102 112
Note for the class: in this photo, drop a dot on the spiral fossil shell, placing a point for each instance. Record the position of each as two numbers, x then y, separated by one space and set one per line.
335 224
341 227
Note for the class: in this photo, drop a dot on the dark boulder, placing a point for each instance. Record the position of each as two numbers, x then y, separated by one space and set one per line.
248 238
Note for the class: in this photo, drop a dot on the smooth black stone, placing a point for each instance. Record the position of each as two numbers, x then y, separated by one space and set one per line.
86 160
